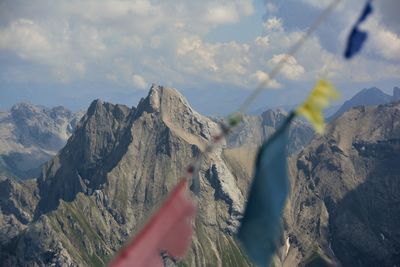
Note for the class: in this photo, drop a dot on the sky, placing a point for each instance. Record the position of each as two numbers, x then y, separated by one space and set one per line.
70 52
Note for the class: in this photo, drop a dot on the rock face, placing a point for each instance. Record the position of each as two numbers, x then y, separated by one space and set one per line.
30 135
255 129
115 170
121 162
344 193
17 204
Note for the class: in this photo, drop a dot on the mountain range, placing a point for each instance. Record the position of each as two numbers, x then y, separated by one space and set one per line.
344 196
120 163
31 135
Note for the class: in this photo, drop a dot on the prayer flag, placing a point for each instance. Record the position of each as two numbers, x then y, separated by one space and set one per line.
260 226
259 230
357 37
168 232
318 99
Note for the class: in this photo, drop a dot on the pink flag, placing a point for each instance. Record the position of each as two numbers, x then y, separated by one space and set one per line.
169 230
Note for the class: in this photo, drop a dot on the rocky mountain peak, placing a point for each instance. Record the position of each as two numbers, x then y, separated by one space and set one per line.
164 100
99 108
366 97
151 103
370 96
92 149
273 117
25 107
30 135
26 110
60 111
117 167
373 90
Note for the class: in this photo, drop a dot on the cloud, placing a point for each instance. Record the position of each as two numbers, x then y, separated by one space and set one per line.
263 77
139 82
321 54
26 39
262 41
31 42
273 23
291 69
198 55
383 42
228 12
389 44
77 40
142 41
222 14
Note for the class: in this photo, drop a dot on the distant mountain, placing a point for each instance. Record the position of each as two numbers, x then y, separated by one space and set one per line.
30 135
255 129
367 97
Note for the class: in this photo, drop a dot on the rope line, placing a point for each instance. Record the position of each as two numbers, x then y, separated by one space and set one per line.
236 117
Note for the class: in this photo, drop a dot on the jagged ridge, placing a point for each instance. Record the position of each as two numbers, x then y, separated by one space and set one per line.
116 168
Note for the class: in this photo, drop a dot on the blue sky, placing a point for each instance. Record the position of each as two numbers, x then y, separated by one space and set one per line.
70 52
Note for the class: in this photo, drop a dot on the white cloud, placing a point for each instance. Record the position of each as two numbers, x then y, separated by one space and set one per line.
77 40
33 43
389 44
382 41
262 41
291 69
139 82
226 63
197 55
222 14
273 23
263 77
142 41
26 39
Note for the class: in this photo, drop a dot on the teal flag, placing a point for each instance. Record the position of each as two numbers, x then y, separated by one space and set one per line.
260 226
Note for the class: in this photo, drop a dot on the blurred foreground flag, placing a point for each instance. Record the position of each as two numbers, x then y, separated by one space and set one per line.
260 226
357 37
319 98
168 232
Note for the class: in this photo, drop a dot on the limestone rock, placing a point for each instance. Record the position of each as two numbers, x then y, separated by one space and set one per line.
116 168
253 130
121 162
30 135
344 194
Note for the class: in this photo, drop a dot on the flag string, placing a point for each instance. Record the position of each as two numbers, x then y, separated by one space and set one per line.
236 117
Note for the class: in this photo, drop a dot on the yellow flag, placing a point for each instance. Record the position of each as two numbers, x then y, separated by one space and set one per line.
318 99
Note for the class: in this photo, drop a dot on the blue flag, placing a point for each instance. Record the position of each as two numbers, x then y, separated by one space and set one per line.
357 37
260 226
